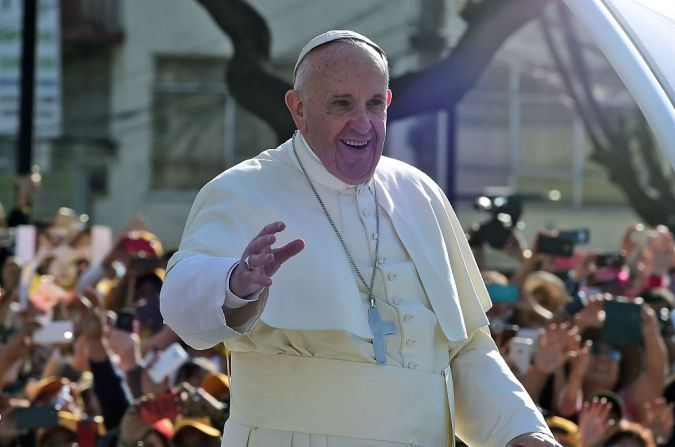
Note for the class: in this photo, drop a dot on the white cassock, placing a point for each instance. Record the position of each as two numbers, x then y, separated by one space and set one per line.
303 367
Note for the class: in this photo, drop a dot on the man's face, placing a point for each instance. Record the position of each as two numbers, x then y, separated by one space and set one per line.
342 110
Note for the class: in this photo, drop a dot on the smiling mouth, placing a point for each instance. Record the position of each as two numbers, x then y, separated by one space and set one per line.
356 144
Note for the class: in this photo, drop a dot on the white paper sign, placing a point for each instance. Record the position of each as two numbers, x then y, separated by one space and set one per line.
47 67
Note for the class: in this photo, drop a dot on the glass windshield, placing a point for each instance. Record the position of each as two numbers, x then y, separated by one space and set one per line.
651 26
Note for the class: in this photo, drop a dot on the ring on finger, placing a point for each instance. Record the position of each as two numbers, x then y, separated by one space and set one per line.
247 263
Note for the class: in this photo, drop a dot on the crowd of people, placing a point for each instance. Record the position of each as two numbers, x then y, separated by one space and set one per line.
84 356
86 359
590 334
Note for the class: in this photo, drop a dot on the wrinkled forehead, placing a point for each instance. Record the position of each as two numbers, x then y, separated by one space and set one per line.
334 56
335 36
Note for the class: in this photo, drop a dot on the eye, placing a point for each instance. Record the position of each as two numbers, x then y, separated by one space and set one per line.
340 103
376 104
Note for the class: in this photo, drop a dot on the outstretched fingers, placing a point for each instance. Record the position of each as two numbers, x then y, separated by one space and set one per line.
260 261
272 228
261 244
283 254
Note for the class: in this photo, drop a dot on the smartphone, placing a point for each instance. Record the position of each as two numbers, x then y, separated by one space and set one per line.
169 360
24 243
165 405
503 294
623 323
54 332
37 417
612 259
555 246
520 353
577 236
125 319
143 265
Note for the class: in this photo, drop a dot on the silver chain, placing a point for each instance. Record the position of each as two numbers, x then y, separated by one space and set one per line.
371 298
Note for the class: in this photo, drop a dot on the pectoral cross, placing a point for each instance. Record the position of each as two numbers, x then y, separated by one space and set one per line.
379 328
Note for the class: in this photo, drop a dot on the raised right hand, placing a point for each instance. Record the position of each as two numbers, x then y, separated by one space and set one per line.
594 422
263 260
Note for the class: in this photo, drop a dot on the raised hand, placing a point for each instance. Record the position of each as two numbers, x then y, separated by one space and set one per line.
650 323
90 324
89 317
593 314
585 268
594 422
581 361
555 346
127 346
260 261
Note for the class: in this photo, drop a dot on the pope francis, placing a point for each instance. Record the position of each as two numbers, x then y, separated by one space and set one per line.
342 284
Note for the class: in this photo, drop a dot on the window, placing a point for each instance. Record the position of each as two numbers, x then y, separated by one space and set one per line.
527 138
198 129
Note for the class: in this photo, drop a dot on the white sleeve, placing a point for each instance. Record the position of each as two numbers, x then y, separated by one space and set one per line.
192 299
492 407
232 301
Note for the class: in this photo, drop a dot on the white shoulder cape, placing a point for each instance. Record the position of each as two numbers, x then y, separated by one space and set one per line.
316 290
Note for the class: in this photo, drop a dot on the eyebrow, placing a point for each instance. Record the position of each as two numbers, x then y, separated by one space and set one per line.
348 96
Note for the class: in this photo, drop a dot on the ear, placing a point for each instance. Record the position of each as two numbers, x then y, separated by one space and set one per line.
389 95
297 109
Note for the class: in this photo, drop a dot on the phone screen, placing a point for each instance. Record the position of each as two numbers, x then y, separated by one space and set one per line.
623 323
503 294
54 332
578 236
609 260
37 417
556 246
520 353
169 360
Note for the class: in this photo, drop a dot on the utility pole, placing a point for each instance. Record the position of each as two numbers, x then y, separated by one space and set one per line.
24 142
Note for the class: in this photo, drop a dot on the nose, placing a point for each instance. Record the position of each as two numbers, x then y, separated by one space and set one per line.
360 121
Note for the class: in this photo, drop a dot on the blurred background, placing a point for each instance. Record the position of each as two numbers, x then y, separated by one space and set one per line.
135 109
114 113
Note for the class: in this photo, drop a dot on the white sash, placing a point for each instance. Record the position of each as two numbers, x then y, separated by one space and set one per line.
339 398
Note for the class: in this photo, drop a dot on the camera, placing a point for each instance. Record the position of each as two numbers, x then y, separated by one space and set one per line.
505 212
611 259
